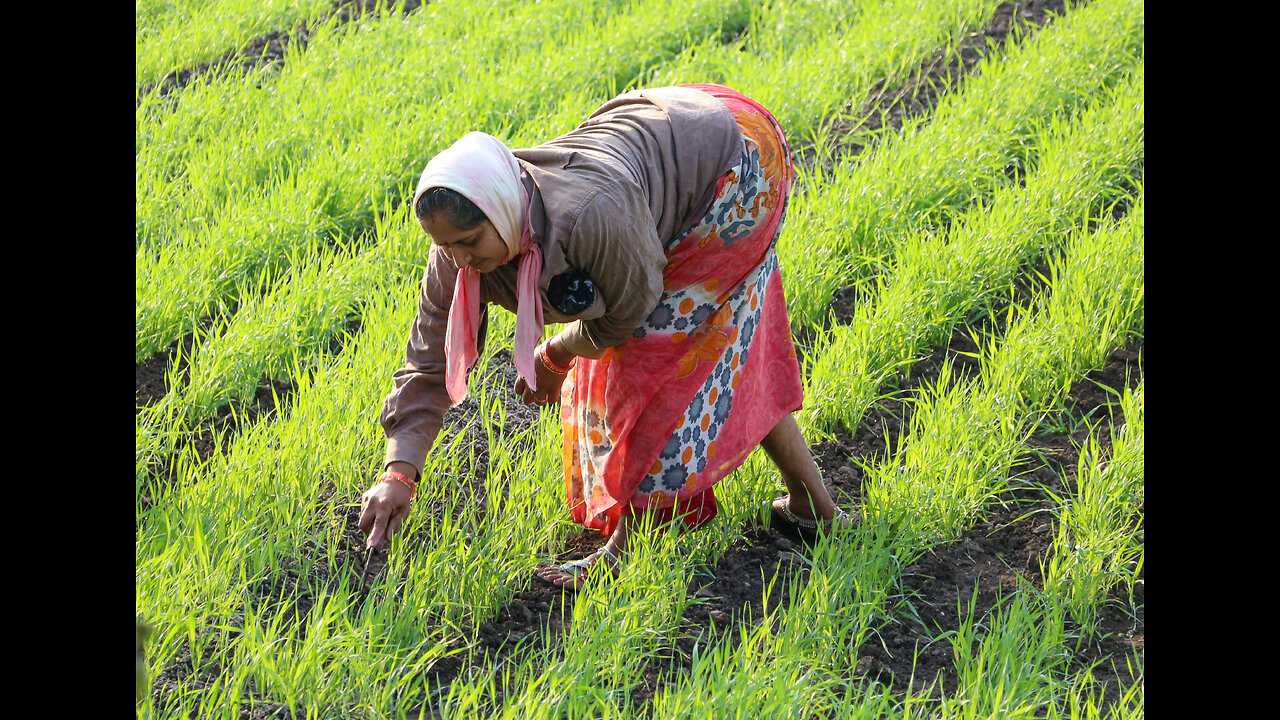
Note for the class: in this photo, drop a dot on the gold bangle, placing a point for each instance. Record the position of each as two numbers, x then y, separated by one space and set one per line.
550 364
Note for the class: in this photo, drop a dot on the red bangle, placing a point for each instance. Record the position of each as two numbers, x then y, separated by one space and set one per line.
393 476
551 365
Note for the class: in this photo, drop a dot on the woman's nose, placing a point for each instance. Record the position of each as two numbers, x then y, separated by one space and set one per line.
460 258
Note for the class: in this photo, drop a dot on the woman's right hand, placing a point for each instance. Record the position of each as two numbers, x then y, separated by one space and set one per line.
385 506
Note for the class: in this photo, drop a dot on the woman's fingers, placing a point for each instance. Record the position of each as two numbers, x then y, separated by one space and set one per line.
393 525
528 395
522 389
366 519
382 510
375 537
548 390
386 521
373 520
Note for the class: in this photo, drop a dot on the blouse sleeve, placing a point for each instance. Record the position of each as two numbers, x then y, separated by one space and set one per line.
413 411
615 244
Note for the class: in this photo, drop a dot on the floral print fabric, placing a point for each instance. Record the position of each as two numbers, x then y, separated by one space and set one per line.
659 419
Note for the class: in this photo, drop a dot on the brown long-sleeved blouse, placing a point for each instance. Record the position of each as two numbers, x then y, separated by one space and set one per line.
604 200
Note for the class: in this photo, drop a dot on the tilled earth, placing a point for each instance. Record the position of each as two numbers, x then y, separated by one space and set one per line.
1006 548
268 49
988 562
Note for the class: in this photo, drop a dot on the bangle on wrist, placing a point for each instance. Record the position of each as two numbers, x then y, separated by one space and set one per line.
551 365
393 476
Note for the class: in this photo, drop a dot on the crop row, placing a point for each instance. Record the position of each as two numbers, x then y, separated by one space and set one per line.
375 135
1079 171
927 174
316 297
173 36
220 545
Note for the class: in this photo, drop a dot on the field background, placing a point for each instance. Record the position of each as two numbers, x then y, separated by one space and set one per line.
964 259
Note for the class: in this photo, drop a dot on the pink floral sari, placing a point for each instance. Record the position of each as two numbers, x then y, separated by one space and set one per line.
657 421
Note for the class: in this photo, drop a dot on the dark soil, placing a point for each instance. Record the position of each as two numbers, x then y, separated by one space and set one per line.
211 434
270 396
1004 549
890 105
182 676
151 388
267 49
149 376
498 378
1007 548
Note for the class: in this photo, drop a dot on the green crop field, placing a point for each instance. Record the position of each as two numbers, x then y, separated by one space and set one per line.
964 260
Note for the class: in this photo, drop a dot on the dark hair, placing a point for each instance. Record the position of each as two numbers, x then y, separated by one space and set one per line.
458 210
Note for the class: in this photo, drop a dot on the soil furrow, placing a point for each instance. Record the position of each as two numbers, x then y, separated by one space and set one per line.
891 106
991 556
1007 548
267 49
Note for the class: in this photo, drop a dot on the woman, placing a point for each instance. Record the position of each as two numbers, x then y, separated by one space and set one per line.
650 230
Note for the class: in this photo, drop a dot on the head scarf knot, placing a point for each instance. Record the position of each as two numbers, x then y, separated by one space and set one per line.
483 170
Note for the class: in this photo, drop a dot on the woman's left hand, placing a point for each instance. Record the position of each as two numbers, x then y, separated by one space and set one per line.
549 383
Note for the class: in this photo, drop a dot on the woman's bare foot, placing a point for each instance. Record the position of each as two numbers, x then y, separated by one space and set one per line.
573 575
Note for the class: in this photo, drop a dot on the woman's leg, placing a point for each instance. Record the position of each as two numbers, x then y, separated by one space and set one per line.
786 447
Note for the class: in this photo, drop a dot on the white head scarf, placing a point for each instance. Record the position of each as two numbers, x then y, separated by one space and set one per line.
483 170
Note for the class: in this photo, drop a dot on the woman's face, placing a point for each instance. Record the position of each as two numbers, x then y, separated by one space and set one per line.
480 247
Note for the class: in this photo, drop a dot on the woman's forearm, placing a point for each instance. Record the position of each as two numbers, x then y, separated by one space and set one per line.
405 469
561 355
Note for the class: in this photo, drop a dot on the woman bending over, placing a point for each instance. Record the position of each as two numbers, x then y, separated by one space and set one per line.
650 230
